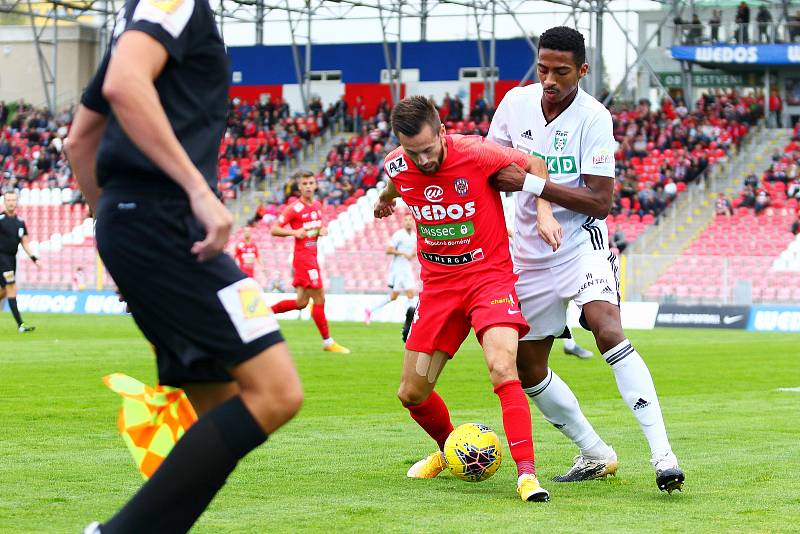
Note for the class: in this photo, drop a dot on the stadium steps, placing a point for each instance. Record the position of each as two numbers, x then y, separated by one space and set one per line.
313 159
691 213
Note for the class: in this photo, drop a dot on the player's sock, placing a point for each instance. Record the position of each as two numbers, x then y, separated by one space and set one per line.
636 387
517 424
12 303
192 474
559 406
318 314
434 418
285 306
569 344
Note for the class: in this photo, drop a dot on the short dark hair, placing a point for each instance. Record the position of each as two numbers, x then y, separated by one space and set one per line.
302 173
567 40
412 113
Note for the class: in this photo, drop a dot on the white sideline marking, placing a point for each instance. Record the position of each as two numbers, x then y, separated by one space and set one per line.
795 390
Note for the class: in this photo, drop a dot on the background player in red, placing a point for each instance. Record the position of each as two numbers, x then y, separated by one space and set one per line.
247 255
467 275
304 221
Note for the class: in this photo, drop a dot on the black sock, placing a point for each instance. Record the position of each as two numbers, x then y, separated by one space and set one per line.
12 303
192 474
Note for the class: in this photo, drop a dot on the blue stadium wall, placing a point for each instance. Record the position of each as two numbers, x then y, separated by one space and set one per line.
259 70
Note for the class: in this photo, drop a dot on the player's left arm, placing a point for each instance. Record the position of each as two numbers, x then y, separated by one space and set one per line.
26 246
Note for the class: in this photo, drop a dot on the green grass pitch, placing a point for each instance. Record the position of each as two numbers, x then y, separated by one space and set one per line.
340 465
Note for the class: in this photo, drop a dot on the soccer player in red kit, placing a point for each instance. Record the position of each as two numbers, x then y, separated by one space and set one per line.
304 221
246 254
467 275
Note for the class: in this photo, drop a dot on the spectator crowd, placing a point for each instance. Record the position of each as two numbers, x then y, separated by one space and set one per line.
661 152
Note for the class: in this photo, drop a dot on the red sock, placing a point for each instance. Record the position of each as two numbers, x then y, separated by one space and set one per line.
517 424
433 417
318 314
284 306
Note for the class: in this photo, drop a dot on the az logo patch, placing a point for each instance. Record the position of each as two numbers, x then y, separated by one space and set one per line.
396 166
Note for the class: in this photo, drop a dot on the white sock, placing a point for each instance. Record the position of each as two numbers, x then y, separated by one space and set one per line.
636 387
570 344
560 407
327 342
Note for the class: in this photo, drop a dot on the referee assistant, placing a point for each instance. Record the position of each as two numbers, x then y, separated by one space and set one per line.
13 233
153 117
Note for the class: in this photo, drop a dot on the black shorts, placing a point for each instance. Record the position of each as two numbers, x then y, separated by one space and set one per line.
8 269
201 318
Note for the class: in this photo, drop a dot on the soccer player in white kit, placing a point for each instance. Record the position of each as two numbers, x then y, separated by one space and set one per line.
573 132
402 248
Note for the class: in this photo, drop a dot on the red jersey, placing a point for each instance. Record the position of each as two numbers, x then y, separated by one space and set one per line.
308 217
460 224
245 255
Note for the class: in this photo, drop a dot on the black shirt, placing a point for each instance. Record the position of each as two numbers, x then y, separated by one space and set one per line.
11 231
193 89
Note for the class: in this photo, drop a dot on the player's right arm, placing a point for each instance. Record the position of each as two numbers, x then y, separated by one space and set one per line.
129 86
385 204
279 227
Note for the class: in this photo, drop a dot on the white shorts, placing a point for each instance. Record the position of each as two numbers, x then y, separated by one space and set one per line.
401 280
545 293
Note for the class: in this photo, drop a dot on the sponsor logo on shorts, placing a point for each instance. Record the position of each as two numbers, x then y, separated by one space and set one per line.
461 186
507 300
434 193
458 259
446 231
595 282
8 276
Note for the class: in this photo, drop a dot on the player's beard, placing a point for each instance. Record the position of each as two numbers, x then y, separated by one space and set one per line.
434 166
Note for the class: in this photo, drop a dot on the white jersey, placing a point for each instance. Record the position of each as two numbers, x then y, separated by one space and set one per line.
578 141
404 243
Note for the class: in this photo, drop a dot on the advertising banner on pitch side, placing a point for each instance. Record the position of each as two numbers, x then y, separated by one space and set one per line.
679 316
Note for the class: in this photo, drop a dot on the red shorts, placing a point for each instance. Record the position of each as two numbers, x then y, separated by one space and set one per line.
307 273
446 313
248 271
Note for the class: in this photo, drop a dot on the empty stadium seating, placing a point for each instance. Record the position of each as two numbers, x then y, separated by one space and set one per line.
732 249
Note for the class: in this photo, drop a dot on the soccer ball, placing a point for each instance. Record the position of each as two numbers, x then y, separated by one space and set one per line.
473 452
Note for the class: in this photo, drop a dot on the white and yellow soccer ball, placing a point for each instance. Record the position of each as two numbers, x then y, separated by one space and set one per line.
473 452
